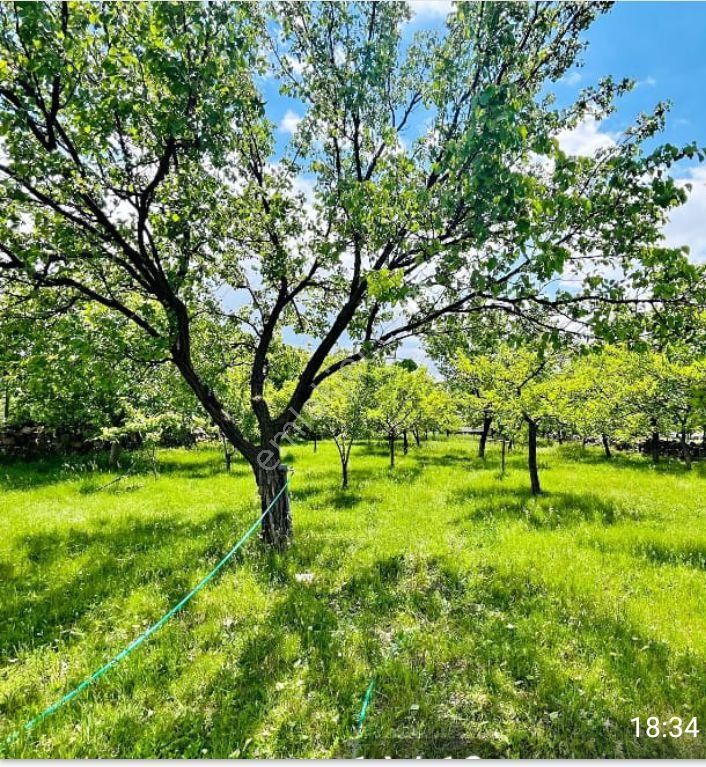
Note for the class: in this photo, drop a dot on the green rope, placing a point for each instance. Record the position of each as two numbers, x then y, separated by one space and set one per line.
148 633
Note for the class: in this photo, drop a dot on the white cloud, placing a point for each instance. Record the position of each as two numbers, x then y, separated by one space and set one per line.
439 8
290 122
571 78
686 224
296 65
586 138
649 80
306 187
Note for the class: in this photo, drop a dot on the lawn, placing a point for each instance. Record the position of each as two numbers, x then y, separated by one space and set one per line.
493 624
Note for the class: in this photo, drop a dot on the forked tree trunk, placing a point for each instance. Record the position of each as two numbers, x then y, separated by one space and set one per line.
277 524
344 454
391 440
606 445
415 431
405 442
532 457
487 420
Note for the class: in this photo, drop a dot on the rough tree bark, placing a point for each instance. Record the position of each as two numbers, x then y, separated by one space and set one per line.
487 420
277 525
532 456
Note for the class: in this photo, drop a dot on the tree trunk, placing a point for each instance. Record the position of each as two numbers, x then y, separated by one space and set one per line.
114 456
6 407
344 473
487 420
606 445
316 443
426 435
391 440
227 454
416 437
405 442
655 446
685 453
277 525
502 457
532 457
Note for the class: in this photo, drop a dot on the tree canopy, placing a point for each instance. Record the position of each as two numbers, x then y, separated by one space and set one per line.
139 172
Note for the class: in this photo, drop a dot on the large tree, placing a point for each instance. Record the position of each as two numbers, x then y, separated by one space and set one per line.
139 171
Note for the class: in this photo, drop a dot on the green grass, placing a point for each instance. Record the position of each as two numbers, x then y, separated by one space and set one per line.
494 624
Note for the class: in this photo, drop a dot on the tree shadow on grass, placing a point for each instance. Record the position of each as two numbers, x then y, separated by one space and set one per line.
93 470
547 510
688 555
632 460
512 676
483 662
40 605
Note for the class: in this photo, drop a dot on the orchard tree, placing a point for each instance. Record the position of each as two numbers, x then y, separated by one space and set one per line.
139 172
437 410
599 394
395 398
338 410
671 395
517 385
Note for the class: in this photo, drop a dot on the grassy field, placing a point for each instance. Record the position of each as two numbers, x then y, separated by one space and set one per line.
494 624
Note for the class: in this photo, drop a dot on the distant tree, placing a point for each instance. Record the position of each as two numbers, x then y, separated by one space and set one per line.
598 394
516 384
394 402
338 410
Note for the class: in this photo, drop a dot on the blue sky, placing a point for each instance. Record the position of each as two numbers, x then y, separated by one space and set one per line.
661 45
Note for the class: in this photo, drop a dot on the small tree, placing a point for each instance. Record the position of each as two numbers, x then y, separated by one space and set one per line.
395 400
515 383
338 410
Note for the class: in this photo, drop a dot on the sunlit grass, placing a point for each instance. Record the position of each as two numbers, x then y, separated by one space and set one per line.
495 624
